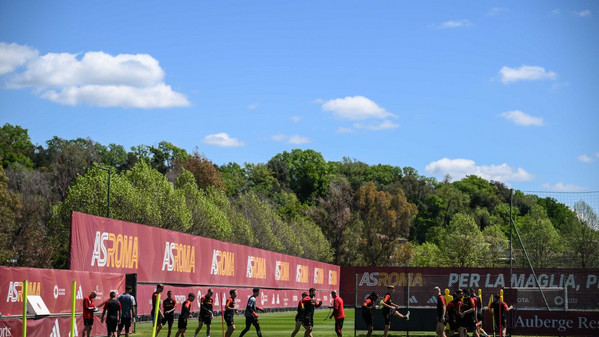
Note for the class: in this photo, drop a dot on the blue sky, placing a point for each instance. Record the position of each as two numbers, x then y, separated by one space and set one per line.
506 90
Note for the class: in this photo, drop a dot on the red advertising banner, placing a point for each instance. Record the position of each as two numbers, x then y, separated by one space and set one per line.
268 299
555 323
158 255
49 326
54 286
563 288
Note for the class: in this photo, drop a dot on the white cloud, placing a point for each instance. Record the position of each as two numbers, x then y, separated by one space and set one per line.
14 55
279 138
459 168
222 140
496 11
525 73
561 187
384 125
295 118
252 106
295 139
355 108
99 79
521 118
585 159
584 13
455 24
344 130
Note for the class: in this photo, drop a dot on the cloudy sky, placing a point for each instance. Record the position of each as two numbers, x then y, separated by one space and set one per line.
506 90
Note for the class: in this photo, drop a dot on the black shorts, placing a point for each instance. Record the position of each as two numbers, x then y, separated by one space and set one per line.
182 323
111 325
169 318
308 321
88 321
468 323
299 317
387 318
367 316
453 325
125 322
206 319
229 320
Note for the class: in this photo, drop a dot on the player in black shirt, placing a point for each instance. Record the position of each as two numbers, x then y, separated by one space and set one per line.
185 313
168 305
113 308
299 317
230 313
206 305
440 324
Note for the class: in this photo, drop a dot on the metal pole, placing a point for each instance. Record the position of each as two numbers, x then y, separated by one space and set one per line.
511 252
355 304
24 328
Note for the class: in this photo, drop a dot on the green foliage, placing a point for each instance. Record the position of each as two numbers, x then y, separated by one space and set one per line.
15 146
427 254
463 245
308 173
542 240
234 178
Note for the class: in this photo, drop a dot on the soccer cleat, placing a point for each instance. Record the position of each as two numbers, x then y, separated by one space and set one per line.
407 316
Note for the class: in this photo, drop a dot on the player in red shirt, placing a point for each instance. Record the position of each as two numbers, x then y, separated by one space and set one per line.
230 311
159 289
337 312
440 327
390 309
367 307
299 317
88 313
185 313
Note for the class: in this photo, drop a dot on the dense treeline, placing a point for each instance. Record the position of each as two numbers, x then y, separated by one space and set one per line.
297 203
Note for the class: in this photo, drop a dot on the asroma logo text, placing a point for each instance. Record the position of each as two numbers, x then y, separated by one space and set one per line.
256 267
115 250
223 263
180 258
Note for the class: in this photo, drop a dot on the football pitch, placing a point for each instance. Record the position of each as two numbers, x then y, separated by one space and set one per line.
278 324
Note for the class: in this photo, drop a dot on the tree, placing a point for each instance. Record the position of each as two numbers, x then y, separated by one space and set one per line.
308 173
541 240
427 255
463 245
15 146
206 174
9 217
234 177
163 156
497 246
583 240
387 219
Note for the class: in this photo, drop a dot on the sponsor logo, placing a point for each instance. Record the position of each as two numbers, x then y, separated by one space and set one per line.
263 298
58 291
391 279
256 267
56 330
115 250
475 280
301 274
223 263
79 294
179 258
282 271
318 275
5 332
413 300
432 300
333 278
15 290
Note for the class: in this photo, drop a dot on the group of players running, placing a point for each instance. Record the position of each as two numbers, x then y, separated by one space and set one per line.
305 315
465 313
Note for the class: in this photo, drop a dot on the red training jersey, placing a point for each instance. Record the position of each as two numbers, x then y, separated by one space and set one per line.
88 308
338 308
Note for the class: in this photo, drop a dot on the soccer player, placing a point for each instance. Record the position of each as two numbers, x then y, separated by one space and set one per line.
309 306
251 316
128 312
113 308
299 317
230 311
185 313
468 315
168 305
159 289
500 310
206 306
338 313
88 313
453 309
440 327
390 309
367 308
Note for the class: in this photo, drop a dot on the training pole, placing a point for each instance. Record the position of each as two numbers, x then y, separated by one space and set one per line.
73 308
25 308
156 310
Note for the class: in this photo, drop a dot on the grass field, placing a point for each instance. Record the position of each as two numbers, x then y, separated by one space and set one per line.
279 324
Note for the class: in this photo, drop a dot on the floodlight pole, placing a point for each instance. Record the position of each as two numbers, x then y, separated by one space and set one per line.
511 251
109 174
